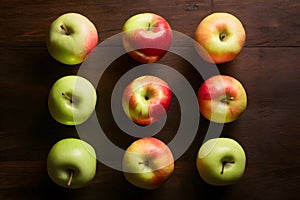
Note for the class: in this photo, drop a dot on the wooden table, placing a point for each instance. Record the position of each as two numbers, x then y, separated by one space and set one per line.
267 67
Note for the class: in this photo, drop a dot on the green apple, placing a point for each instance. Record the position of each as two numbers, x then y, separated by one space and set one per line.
148 163
71 38
72 100
71 163
221 161
220 37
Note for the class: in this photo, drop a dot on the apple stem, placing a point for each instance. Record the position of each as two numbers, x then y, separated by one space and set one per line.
225 163
71 178
149 26
68 97
65 29
227 100
144 163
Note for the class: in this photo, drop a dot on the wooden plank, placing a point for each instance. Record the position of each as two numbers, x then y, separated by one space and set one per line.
267 67
267 23
265 130
108 17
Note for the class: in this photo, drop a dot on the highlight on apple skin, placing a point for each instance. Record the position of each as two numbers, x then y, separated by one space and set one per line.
148 163
146 37
71 38
222 99
219 37
71 163
72 100
221 161
146 99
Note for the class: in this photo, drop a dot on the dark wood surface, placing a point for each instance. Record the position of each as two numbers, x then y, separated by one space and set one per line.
267 67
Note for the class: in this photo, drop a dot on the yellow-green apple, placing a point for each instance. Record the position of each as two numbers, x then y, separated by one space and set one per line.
146 99
71 38
71 163
148 163
220 37
146 37
221 161
222 99
72 99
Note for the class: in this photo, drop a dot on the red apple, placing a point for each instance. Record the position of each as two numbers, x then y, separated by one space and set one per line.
220 37
146 99
146 37
148 163
222 99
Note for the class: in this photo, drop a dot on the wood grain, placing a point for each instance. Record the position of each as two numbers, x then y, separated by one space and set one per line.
267 67
272 23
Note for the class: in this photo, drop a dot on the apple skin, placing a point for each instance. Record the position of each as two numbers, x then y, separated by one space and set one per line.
148 163
222 99
146 99
220 37
72 99
146 37
221 161
74 158
71 38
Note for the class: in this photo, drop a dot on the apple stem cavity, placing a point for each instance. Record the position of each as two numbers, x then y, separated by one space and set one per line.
149 94
227 100
224 163
65 29
147 97
68 97
222 36
71 178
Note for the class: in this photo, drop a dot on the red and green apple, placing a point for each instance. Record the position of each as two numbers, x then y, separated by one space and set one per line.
146 37
219 37
148 163
71 38
146 99
222 99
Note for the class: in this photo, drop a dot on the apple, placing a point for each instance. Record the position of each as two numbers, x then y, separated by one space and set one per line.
71 38
220 37
146 99
71 163
146 37
221 161
222 99
148 163
72 99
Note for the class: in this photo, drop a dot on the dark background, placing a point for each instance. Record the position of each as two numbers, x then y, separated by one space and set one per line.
267 67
